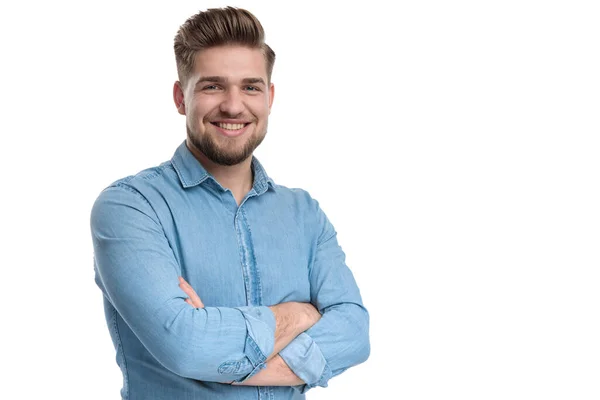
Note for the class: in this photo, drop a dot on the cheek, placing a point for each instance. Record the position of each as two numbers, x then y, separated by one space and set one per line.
195 119
260 107
197 114
206 108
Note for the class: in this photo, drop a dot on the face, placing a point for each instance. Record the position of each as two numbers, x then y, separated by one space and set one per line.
226 101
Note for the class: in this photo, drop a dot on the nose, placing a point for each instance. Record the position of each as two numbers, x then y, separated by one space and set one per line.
232 103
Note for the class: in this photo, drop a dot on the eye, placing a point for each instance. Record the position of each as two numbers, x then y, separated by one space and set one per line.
252 89
210 87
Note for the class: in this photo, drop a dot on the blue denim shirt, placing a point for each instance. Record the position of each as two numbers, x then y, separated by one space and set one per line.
276 246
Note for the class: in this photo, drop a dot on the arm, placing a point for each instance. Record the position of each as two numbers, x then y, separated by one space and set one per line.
340 339
291 318
277 372
137 271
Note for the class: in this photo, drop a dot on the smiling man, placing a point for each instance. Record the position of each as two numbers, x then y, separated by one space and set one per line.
217 282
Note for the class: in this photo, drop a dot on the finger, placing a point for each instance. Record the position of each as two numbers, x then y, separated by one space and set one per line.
193 300
186 288
183 284
191 293
196 301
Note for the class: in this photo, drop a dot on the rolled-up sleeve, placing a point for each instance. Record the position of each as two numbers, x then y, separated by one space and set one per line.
138 273
305 359
340 339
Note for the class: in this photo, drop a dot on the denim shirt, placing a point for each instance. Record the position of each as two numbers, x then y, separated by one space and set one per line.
276 246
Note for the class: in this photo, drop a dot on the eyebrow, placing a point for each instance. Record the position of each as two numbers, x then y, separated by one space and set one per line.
213 79
221 79
254 81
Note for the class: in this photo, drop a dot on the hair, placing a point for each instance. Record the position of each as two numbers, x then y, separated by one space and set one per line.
219 27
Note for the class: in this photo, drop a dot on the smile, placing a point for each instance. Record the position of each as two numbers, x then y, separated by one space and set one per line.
231 129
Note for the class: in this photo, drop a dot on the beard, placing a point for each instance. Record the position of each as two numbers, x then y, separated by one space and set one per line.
223 156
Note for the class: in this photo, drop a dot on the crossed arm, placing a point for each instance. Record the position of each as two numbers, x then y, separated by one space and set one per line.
290 318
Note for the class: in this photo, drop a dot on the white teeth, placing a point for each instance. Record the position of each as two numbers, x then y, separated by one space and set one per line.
230 127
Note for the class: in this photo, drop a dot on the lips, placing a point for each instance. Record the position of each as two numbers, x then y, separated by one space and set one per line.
231 129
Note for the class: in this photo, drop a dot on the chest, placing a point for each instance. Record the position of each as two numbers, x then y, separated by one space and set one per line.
256 256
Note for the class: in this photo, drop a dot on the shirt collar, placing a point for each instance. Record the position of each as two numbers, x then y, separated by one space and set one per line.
192 173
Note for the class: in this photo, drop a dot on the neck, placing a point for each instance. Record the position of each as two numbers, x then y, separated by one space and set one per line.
237 178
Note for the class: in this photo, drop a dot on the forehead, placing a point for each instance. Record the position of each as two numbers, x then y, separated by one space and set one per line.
232 62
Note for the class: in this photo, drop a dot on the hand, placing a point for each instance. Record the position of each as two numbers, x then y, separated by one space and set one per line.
312 314
276 373
193 299
294 318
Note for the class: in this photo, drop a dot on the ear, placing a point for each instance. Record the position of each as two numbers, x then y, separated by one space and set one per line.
178 97
271 96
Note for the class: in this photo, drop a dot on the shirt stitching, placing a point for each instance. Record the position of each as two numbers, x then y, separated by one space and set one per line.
253 265
120 346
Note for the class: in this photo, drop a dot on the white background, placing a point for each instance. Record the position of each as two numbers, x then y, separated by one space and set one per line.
453 144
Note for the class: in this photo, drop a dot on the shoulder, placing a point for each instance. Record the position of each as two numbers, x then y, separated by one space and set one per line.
152 179
154 176
135 191
308 210
297 197
303 204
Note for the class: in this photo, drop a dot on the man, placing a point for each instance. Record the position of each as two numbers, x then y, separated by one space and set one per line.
217 282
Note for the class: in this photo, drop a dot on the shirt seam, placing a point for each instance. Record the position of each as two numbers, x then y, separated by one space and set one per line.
322 242
131 189
156 171
120 345
144 175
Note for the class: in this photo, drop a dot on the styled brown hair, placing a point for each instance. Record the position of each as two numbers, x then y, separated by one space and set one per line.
218 27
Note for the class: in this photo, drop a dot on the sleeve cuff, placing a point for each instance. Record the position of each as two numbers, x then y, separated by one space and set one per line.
260 339
305 359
